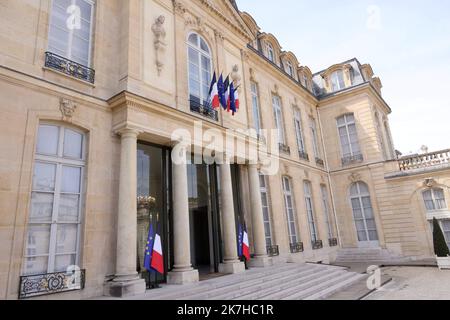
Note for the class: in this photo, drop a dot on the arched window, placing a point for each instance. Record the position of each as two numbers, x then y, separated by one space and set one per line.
434 199
349 139
363 213
55 213
270 52
290 210
200 66
337 80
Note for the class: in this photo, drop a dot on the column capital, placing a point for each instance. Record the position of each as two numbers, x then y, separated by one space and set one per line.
128 132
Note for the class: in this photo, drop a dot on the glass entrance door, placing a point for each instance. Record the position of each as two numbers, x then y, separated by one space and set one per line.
153 204
204 218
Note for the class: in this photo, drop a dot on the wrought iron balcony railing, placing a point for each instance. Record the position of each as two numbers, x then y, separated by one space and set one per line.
273 251
303 155
284 148
69 67
316 245
206 111
297 247
333 242
51 283
320 162
425 160
352 159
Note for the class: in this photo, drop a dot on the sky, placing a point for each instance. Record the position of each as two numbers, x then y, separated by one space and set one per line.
407 43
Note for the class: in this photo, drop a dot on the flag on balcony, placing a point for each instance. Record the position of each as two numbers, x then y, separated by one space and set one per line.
149 250
236 98
231 103
214 93
222 88
157 255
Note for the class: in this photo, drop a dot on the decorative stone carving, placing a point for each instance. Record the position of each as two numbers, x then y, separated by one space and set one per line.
245 55
67 108
429 183
355 177
219 35
178 7
276 90
159 42
252 75
235 76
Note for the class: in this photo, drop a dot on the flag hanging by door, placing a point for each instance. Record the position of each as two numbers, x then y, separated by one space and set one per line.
149 249
157 255
246 245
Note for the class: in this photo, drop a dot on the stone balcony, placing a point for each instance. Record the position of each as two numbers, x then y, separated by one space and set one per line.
423 163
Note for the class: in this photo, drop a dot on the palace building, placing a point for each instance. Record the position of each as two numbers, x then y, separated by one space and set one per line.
92 91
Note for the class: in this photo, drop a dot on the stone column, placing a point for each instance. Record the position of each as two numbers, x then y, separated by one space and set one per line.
126 281
231 263
183 272
259 236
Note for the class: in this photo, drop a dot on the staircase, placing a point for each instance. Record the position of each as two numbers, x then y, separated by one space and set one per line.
279 282
363 255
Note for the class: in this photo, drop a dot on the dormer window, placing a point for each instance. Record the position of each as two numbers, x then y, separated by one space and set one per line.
337 80
290 68
270 52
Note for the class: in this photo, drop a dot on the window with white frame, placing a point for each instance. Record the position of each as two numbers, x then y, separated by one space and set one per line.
200 66
337 80
445 225
326 211
270 52
310 211
266 209
278 119
56 200
434 199
290 210
70 30
255 107
290 68
363 213
313 127
380 136
299 130
348 136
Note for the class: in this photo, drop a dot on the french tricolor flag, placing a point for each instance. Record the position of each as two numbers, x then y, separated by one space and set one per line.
214 93
246 246
157 255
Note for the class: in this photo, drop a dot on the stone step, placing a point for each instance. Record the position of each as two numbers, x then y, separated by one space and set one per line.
235 282
323 294
267 291
302 286
322 285
229 292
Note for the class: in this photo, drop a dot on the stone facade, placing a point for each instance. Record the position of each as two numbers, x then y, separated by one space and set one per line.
141 93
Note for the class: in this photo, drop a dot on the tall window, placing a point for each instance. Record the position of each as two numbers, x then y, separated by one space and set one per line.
326 211
290 68
266 209
70 30
278 119
434 199
445 224
313 127
363 213
290 211
200 67
337 80
255 107
270 52
299 131
55 214
380 136
310 211
348 136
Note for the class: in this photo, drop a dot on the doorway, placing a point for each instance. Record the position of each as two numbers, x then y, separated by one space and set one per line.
204 218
